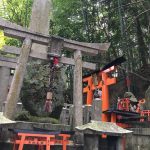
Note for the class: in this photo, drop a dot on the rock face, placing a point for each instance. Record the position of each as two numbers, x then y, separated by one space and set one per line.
147 98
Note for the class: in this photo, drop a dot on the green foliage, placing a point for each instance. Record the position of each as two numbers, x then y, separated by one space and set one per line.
2 40
70 13
18 12
43 120
106 21
25 116
36 83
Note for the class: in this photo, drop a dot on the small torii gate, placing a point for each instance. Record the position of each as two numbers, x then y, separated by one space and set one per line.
54 46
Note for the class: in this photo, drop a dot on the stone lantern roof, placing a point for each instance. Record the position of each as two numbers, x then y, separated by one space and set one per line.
99 127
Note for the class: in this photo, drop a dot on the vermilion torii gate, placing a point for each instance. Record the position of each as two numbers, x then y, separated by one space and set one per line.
53 45
103 84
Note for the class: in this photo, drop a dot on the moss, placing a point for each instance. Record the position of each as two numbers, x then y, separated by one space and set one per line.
43 120
25 116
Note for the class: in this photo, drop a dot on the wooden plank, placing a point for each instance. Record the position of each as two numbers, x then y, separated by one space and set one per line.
34 54
15 31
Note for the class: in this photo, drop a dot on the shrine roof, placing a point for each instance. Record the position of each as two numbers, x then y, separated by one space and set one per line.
99 127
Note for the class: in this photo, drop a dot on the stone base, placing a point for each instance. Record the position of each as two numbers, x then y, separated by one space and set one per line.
9 146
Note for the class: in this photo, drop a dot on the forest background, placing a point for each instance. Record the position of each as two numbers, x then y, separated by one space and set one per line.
123 23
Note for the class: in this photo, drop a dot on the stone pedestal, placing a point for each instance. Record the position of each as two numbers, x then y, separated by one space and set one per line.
97 109
64 117
91 142
86 114
18 107
120 145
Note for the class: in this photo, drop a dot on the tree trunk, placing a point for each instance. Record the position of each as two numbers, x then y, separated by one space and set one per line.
143 50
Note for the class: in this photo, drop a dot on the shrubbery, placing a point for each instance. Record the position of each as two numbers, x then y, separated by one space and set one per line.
25 116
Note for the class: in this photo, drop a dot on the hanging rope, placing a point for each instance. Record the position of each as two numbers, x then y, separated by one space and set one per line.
53 67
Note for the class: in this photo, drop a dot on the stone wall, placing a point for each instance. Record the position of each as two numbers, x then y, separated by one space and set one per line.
6 135
139 140
8 146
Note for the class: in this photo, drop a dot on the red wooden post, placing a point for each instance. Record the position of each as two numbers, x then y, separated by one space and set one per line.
46 140
105 94
106 81
48 143
113 117
64 140
21 142
88 90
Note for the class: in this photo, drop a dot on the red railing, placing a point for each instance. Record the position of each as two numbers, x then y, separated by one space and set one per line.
145 113
41 140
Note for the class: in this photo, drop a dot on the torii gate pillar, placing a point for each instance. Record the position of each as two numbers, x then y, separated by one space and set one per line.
77 90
